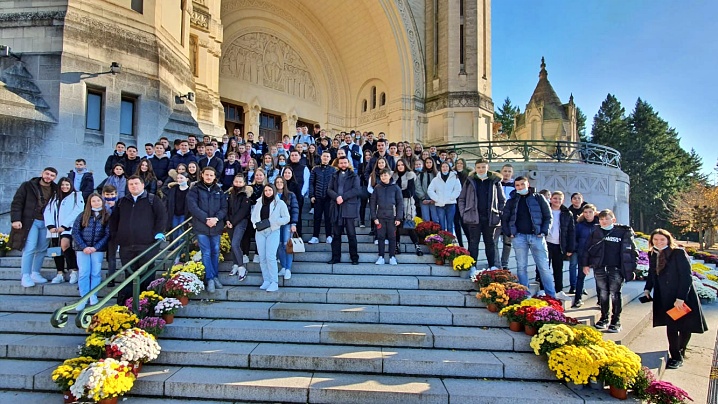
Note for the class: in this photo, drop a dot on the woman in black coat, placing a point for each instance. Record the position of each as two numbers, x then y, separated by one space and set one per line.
669 276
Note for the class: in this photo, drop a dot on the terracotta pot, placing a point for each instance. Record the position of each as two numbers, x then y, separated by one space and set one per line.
439 261
169 318
492 307
136 368
68 397
184 300
112 400
530 330
515 326
620 394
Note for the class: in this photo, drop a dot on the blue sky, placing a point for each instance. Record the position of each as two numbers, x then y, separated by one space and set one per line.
665 52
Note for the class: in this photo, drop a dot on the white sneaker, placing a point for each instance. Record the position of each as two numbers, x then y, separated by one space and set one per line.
392 261
376 242
235 270
281 272
362 226
217 283
329 239
37 278
93 300
494 269
265 285
541 293
59 278
245 259
256 259
313 240
287 274
563 296
73 277
242 273
27 282
311 211
380 261
386 242
273 287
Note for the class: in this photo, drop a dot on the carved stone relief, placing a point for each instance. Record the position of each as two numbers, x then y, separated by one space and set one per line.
262 58
585 183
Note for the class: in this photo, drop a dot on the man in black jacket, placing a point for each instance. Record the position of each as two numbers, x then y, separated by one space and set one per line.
132 161
137 222
29 233
208 206
211 160
527 219
380 152
318 183
344 189
117 157
611 254
481 203
302 176
82 179
160 164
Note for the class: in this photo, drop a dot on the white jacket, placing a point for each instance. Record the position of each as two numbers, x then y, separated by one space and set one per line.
278 214
65 214
444 193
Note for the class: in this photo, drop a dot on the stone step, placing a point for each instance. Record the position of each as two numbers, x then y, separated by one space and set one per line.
297 386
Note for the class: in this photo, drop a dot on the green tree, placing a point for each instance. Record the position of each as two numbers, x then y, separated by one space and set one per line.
609 124
505 115
581 125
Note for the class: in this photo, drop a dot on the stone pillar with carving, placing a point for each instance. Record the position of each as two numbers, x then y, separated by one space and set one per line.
289 122
251 118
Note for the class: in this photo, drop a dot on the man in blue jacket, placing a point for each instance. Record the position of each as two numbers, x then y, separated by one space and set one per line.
183 156
527 219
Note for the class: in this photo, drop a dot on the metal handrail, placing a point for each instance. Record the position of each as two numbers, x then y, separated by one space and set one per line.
84 317
538 151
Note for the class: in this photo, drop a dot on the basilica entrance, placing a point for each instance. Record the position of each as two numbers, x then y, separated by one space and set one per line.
270 126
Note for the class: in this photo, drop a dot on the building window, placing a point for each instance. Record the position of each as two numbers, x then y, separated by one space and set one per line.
373 97
137 5
128 118
364 106
194 55
233 117
382 99
93 112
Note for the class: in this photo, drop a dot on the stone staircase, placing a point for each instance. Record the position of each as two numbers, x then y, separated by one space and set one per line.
413 333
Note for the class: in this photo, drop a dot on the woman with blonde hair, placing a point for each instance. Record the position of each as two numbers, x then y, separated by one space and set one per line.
669 277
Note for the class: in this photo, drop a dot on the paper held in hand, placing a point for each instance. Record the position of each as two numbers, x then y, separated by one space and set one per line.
677 313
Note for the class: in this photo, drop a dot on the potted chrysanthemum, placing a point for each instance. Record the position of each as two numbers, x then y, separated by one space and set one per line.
167 309
183 285
110 320
66 374
135 345
463 264
104 381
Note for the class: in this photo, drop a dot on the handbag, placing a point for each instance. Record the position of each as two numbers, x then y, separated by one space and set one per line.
53 252
262 225
295 244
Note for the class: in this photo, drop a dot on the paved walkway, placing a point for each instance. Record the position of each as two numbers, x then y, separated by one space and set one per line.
694 375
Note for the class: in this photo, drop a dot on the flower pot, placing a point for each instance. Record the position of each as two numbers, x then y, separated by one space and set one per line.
68 397
530 330
596 384
439 261
112 400
464 274
492 307
136 368
620 394
169 318
184 300
515 326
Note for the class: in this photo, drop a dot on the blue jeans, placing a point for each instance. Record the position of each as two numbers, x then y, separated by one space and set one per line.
428 213
573 270
267 244
35 248
502 244
176 221
89 267
522 243
209 246
237 235
446 217
285 233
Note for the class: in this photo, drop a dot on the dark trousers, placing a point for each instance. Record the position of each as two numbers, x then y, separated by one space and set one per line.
459 226
580 281
321 210
362 209
111 257
300 201
68 257
249 234
555 260
401 231
610 281
127 254
677 340
339 227
475 232
386 230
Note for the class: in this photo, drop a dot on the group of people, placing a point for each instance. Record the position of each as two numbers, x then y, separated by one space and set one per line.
258 192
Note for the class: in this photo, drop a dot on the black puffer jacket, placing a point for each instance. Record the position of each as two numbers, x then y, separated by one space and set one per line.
239 205
567 231
135 224
538 209
319 181
386 202
593 257
204 202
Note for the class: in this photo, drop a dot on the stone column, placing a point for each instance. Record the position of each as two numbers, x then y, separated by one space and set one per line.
251 118
289 122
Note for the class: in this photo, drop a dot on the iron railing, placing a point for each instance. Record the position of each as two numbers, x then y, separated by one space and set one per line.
537 151
160 261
